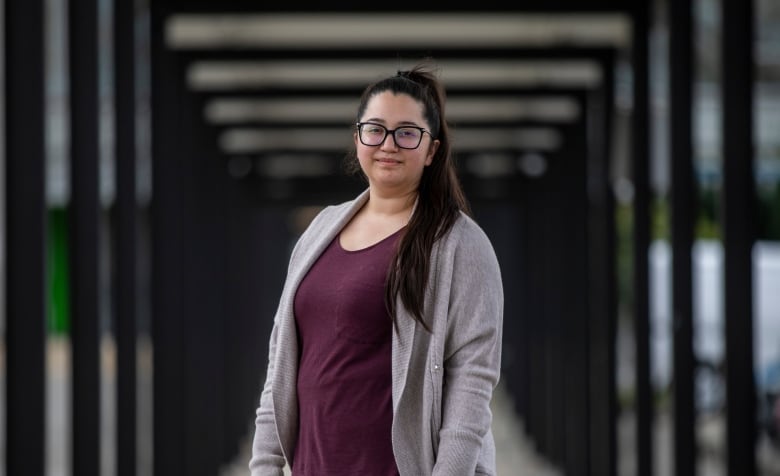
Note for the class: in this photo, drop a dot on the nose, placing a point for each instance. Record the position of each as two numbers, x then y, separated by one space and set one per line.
391 136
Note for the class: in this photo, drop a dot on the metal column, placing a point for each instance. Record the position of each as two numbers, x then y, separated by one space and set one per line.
84 211
125 235
739 233
25 213
167 255
602 284
682 211
640 175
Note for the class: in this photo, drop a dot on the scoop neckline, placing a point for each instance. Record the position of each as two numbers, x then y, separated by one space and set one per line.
369 247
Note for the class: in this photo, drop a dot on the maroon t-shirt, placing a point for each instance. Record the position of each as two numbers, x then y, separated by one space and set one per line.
344 373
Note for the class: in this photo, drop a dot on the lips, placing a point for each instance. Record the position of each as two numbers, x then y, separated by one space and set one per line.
388 161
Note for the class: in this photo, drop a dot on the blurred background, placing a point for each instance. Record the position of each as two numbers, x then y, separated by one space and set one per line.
160 159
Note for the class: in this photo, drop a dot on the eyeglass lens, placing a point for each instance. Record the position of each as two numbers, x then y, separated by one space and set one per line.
405 137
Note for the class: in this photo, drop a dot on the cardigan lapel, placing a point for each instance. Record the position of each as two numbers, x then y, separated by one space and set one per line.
403 341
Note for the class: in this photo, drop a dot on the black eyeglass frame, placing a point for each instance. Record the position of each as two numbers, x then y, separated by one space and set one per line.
422 130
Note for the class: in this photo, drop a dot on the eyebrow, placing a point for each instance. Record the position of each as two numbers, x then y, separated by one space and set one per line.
400 124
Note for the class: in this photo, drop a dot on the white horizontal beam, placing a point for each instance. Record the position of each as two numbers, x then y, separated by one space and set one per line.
207 75
256 140
396 30
230 111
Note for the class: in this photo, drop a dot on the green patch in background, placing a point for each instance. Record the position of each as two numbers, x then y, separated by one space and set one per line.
58 273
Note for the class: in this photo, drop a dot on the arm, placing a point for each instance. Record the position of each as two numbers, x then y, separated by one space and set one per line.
472 354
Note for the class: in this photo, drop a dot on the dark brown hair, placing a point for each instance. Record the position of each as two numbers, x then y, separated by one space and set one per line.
440 196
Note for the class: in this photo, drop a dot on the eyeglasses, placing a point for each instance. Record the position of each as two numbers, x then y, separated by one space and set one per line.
406 137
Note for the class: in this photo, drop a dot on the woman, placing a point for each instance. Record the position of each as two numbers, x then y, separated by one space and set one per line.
386 345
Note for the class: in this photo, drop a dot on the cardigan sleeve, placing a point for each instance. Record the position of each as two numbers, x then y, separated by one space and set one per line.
267 457
472 353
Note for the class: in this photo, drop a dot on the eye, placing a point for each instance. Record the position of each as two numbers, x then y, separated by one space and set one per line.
373 129
408 133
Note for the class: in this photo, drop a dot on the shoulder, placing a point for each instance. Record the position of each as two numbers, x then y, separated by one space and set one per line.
334 213
467 235
467 247
467 226
327 215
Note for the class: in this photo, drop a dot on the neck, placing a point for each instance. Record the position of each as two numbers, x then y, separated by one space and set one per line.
395 205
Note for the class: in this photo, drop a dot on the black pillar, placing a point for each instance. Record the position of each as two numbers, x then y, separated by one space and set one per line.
167 207
556 198
83 235
204 178
683 217
25 228
534 307
601 283
574 308
640 151
739 233
189 266
125 236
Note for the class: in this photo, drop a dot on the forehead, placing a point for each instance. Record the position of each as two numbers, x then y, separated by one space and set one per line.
394 107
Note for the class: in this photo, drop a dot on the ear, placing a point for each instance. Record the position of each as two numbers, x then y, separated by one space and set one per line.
432 151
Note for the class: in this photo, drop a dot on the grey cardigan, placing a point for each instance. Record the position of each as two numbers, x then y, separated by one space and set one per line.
443 381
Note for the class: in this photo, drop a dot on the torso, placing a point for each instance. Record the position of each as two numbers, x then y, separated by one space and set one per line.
344 372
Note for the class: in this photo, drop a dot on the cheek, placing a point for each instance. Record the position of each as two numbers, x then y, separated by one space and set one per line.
360 150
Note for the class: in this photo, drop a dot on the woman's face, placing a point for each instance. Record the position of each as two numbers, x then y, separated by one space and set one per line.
391 169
